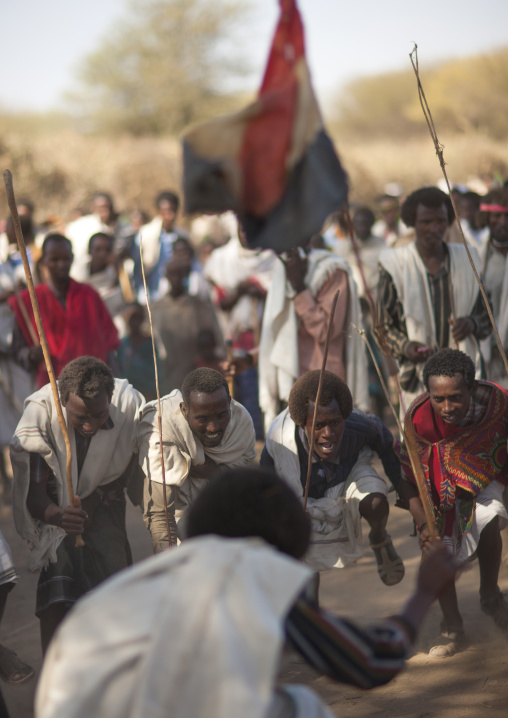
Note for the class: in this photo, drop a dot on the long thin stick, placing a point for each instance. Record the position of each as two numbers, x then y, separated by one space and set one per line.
318 395
159 410
9 187
439 152
26 319
408 436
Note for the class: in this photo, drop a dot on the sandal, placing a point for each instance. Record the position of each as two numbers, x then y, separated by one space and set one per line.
389 564
12 669
456 642
497 608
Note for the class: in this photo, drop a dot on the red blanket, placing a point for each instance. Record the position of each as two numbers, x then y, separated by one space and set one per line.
460 459
83 327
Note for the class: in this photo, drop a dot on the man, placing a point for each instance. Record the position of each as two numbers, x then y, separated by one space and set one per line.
344 488
295 323
198 631
390 227
102 418
460 430
74 317
428 297
103 218
203 429
494 216
178 318
241 278
158 237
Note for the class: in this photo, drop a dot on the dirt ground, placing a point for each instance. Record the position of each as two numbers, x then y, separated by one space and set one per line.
471 684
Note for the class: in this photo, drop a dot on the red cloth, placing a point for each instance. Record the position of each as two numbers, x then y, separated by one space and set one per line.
84 327
465 458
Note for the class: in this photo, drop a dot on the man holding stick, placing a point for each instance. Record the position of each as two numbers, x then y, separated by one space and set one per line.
344 487
428 298
203 429
460 431
102 418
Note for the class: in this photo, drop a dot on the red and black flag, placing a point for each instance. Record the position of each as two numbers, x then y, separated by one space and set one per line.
272 163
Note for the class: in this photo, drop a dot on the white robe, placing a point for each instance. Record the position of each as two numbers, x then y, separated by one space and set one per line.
195 632
182 449
39 432
279 365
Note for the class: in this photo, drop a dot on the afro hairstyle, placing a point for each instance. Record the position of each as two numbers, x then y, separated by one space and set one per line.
203 381
86 377
448 362
305 390
428 197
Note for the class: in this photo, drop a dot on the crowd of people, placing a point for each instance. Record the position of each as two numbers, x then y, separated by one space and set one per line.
223 463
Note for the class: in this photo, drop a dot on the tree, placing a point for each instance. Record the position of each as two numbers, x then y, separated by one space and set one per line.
165 66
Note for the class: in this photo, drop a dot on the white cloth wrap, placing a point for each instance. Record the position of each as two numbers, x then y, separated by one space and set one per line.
182 449
335 519
39 432
489 504
279 365
192 632
409 276
231 264
79 232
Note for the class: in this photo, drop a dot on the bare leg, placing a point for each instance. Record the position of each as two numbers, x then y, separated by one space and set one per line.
12 669
375 508
490 547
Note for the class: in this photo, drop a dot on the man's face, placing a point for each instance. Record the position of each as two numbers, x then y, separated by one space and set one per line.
329 429
100 251
208 415
362 224
450 397
87 415
430 225
57 259
168 213
102 208
498 223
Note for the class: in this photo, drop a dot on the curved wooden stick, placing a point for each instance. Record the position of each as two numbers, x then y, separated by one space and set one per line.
408 435
318 396
9 187
159 411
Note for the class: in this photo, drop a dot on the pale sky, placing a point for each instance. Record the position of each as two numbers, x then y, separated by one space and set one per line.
44 40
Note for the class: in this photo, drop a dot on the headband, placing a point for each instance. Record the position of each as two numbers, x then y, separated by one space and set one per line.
493 208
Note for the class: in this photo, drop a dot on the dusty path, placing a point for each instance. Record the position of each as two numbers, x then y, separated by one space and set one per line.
470 685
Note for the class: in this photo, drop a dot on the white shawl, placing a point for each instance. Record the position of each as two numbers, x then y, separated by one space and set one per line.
409 275
150 234
107 458
336 524
195 632
279 365
182 449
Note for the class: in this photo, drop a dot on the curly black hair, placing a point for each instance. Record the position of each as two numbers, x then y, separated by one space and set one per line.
305 389
495 196
86 377
245 502
55 237
448 362
428 197
366 211
203 381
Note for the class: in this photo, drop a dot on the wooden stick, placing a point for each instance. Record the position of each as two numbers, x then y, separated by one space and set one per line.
229 359
42 337
159 410
26 319
125 284
318 396
439 152
412 450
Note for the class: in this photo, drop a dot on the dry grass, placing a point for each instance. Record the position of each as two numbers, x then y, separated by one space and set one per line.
59 169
